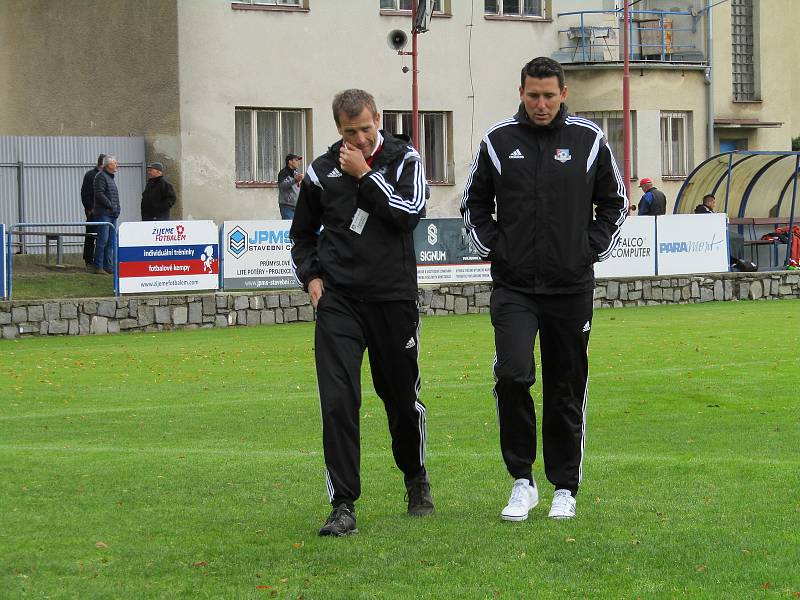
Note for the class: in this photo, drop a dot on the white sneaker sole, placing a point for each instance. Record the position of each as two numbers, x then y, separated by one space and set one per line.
506 517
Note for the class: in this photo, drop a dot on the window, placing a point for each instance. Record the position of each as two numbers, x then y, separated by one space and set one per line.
435 138
272 2
263 139
745 87
271 5
675 147
514 8
611 124
406 5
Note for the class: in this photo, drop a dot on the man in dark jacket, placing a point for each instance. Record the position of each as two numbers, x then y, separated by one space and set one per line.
106 210
707 207
87 199
560 201
653 202
367 192
289 179
158 195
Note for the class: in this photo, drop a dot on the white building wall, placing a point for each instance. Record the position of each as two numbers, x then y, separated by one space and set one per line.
279 59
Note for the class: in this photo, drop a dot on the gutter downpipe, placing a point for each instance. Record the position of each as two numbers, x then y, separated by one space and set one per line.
626 103
710 81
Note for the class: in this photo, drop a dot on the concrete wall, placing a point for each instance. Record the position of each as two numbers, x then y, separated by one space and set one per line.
288 59
162 313
84 68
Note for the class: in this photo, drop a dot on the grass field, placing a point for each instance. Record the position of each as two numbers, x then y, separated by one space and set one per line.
33 279
188 465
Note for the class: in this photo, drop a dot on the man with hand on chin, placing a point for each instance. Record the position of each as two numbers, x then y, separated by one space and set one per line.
353 253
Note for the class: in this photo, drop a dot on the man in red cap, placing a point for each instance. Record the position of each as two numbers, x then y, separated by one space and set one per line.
654 202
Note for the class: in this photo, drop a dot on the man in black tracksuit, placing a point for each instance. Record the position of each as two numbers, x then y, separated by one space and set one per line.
367 192
560 201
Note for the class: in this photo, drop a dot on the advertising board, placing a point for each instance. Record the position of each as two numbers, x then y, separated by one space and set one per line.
635 254
445 253
692 244
257 255
168 256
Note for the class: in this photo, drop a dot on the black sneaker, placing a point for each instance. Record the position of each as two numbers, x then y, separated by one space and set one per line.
342 521
420 502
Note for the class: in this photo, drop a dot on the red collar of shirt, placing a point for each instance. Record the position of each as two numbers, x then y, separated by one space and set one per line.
378 148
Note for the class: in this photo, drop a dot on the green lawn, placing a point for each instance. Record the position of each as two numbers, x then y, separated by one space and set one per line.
188 465
33 279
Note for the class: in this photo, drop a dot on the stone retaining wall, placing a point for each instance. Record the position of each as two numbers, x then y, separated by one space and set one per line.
160 313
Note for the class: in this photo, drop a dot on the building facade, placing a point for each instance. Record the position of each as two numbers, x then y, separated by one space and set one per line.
221 91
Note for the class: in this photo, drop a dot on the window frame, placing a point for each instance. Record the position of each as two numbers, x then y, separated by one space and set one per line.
668 166
445 10
254 142
601 117
447 139
499 15
267 5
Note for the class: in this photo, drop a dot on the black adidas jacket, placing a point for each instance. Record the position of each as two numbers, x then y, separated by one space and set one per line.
542 181
379 263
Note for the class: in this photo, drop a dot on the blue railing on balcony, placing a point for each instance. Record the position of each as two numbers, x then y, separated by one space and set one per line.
652 35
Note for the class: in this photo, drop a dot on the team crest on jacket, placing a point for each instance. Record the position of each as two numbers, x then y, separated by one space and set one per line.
562 155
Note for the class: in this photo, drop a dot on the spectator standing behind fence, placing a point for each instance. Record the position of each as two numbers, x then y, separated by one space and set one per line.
653 202
707 207
106 210
158 196
289 180
367 191
87 199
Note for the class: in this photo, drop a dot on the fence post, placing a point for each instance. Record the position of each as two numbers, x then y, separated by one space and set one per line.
21 201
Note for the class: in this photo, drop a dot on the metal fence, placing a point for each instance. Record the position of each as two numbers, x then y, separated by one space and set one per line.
40 180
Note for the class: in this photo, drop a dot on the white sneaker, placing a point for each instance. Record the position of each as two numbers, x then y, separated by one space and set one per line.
563 506
523 498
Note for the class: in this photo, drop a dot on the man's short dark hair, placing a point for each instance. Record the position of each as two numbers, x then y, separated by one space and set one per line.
542 68
100 160
352 102
708 197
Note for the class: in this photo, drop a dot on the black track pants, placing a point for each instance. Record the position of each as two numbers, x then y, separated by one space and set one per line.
562 323
390 330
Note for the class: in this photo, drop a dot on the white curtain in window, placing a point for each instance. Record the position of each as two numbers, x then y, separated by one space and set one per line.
405 126
244 145
389 122
532 8
665 163
433 146
268 161
614 134
678 147
291 136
